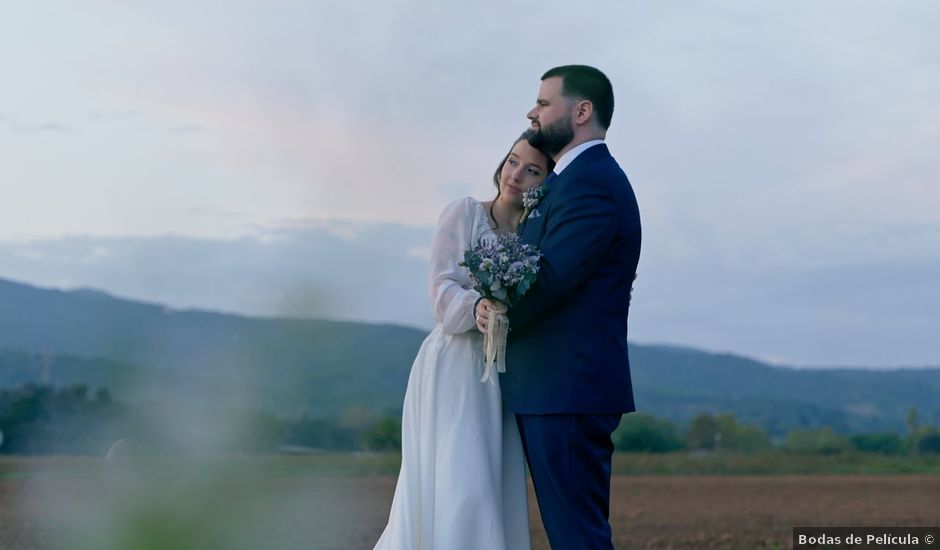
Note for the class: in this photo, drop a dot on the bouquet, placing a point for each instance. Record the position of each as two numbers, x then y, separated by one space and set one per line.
502 270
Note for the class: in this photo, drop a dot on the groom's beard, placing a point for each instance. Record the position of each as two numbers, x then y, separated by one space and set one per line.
553 138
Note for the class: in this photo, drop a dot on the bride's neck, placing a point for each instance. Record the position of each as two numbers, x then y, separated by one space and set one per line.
506 215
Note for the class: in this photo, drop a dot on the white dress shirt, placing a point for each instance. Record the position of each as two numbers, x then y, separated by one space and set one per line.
569 157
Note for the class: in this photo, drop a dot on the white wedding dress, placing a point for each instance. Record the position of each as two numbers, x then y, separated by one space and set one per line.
462 484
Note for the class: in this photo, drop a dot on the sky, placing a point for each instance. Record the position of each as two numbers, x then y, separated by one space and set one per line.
291 158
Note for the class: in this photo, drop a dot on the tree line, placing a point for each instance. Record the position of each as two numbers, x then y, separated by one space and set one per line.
41 419
640 432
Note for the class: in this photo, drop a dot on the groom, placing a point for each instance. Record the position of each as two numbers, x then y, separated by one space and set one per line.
567 370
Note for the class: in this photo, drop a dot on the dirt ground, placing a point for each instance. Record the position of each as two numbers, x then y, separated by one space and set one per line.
343 513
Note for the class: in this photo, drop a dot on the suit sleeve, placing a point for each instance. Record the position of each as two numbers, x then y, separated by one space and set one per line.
579 231
452 303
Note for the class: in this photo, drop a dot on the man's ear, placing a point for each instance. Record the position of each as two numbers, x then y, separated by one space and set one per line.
584 109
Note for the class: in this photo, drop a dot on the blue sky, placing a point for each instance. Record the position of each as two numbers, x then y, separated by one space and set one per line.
783 155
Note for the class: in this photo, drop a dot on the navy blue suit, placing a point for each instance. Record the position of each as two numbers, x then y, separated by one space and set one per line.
567 368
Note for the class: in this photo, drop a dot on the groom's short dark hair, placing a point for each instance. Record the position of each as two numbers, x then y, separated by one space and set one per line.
585 82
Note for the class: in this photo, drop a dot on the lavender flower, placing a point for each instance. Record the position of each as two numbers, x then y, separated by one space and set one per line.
502 269
531 198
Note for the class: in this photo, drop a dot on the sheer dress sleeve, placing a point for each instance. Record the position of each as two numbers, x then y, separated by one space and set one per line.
452 298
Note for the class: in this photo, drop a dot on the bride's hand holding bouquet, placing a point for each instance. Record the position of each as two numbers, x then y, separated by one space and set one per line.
502 270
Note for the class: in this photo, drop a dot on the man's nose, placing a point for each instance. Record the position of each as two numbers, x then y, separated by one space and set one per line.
531 115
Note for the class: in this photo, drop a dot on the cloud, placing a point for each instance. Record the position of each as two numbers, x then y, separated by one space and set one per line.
770 148
331 270
388 118
217 213
182 129
32 128
422 252
114 115
42 127
854 299
454 189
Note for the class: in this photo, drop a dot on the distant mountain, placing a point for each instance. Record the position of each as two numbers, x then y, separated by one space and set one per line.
147 351
312 366
679 383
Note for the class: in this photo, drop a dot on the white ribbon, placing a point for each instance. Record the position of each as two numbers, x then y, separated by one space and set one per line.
494 343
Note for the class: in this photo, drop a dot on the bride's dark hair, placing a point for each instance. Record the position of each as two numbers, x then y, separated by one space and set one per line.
550 165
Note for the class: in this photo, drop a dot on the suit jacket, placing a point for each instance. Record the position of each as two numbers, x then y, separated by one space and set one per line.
567 346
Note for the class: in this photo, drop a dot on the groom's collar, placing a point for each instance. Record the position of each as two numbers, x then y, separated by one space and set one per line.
569 157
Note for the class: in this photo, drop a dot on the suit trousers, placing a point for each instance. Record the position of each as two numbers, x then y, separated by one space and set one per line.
569 457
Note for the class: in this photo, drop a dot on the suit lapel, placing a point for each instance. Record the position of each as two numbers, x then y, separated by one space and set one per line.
548 184
591 154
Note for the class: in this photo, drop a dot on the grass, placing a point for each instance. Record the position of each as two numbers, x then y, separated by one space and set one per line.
772 463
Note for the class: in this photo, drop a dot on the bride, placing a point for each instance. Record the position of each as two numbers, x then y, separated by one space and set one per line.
462 483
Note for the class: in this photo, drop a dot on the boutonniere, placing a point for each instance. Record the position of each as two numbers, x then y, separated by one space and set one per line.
531 199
